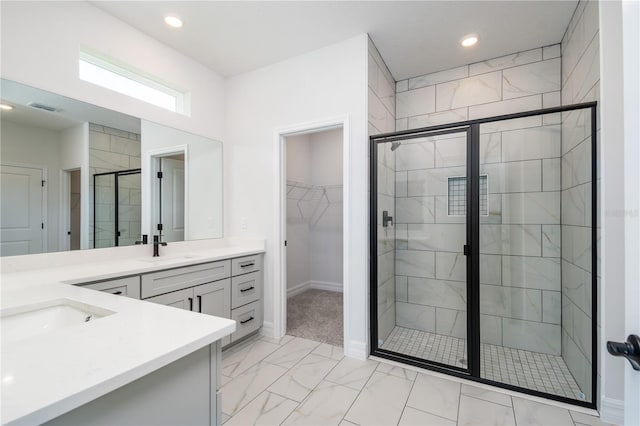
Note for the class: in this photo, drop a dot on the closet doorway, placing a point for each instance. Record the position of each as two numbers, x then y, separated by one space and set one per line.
314 235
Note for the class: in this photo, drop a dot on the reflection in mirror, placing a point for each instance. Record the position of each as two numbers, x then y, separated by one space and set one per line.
72 177
170 190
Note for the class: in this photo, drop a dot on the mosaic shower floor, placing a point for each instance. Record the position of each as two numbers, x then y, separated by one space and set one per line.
526 369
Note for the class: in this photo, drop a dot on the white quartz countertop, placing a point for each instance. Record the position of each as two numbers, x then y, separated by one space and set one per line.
49 374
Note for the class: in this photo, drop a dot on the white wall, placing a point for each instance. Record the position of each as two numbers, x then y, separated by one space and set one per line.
618 74
314 220
74 153
40 43
326 227
319 85
39 147
298 240
203 179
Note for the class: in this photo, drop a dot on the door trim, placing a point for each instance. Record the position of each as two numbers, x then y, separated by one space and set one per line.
280 199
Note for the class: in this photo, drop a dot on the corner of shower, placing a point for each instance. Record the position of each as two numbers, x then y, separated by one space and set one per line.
483 250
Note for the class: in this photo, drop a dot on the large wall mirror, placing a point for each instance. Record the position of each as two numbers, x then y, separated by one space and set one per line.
78 176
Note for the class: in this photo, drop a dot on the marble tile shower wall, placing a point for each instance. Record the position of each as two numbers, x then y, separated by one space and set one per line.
520 237
112 150
382 105
580 83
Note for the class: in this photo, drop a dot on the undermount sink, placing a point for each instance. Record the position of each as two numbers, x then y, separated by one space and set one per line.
29 321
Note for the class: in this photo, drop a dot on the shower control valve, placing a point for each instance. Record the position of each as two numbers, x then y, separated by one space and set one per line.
386 219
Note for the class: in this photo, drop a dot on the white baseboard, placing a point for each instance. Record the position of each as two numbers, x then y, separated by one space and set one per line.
267 329
356 349
612 411
319 285
298 288
325 285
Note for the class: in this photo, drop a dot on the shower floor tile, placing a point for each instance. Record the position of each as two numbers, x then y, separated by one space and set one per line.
526 369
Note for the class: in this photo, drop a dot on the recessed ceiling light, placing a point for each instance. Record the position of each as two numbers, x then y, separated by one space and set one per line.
469 40
173 21
6 107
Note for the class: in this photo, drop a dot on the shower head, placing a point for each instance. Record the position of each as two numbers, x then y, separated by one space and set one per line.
395 145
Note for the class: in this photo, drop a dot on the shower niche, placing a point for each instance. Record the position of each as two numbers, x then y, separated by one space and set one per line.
486 270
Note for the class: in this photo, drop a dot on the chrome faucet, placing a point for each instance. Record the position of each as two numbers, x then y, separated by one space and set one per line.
156 244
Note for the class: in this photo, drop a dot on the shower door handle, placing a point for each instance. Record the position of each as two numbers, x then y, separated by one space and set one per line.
629 349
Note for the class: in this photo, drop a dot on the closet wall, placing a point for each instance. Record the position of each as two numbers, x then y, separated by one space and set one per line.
314 211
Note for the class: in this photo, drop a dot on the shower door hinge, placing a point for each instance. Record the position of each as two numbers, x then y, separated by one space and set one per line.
159 175
285 243
43 183
466 250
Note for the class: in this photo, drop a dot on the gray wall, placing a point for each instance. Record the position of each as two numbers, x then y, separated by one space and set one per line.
580 83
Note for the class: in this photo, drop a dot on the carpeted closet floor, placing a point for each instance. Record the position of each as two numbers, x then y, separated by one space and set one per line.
316 315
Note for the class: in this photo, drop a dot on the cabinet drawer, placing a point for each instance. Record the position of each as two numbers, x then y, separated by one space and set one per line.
162 282
244 265
248 319
246 289
129 286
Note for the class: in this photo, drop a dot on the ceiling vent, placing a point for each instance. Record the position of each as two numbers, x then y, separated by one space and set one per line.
42 106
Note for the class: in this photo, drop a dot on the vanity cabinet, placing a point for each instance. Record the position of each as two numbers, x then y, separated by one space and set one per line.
212 299
228 288
128 286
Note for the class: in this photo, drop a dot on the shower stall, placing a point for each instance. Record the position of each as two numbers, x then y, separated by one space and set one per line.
483 250
116 219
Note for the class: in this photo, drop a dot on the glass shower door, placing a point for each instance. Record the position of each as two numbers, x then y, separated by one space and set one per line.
421 237
535 254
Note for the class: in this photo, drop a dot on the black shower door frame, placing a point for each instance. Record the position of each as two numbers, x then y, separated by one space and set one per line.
116 197
471 249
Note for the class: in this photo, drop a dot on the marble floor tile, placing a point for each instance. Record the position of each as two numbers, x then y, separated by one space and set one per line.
436 396
225 418
281 341
238 361
533 413
347 423
478 412
326 405
397 371
298 382
586 419
413 417
329 351
352 373
224 380
487 395
293 351
266 409
242 389
381 401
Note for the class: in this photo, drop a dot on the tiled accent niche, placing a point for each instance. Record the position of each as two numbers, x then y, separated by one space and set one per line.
382 105
520 237
112 150
580 83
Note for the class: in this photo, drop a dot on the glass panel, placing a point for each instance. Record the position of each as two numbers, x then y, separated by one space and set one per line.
104 206
129 213
535 254
422 271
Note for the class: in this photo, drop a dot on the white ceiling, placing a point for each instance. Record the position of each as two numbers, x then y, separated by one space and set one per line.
413 37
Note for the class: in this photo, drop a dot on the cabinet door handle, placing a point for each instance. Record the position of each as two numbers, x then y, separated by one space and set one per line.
247 264
117 292
246 321
191 303
242 290
199 304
